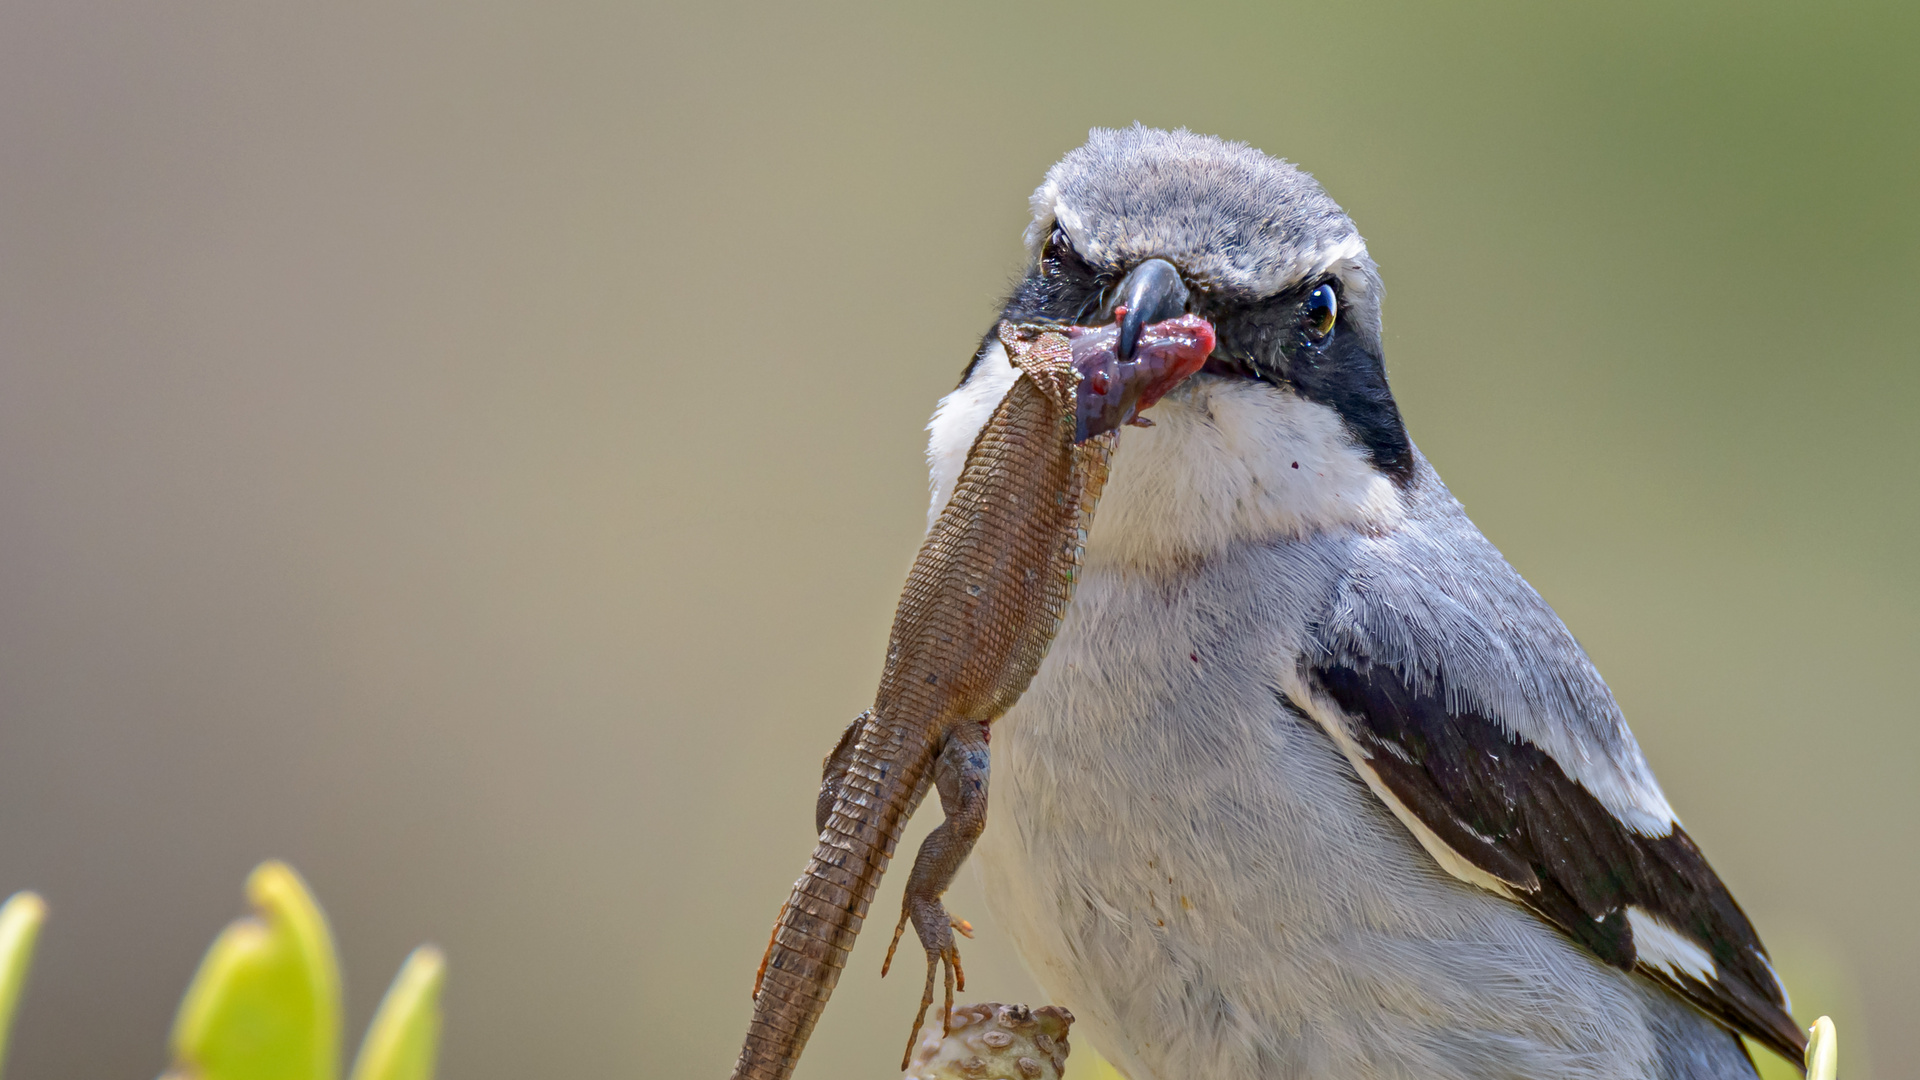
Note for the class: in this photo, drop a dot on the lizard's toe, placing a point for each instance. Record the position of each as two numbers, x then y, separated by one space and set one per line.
926 1001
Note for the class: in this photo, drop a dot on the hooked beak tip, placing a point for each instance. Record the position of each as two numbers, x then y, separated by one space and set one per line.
1151 292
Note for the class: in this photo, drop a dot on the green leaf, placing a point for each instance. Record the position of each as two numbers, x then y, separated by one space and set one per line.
1823 1050
404 1038
20 920
265 1004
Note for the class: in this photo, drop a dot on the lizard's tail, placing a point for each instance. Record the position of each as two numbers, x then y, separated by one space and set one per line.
820 920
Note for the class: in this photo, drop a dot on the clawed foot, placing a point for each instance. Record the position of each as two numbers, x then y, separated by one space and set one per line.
936 928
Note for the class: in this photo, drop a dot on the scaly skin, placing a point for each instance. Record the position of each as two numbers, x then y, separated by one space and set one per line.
981 604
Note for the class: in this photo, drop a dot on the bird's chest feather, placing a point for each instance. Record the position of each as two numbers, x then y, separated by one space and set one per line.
1188 862
1164 830
1162 819
1153 773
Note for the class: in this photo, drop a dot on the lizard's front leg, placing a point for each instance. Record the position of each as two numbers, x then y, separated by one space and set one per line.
960 775
833 771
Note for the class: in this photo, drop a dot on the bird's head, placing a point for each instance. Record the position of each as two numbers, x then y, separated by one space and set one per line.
1291 427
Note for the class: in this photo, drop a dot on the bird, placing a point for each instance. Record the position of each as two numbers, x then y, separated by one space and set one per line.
1311 782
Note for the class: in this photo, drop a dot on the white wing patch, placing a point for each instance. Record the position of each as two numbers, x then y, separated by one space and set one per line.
1658 945
1450 860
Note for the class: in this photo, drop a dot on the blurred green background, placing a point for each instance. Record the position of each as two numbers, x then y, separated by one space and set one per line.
472 451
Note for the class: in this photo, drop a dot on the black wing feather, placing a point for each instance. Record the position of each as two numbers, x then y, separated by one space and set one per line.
1507 807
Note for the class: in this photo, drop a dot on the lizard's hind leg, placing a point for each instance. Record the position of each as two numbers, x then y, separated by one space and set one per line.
960 775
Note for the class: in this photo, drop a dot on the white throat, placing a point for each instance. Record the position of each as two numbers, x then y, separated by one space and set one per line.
1227 461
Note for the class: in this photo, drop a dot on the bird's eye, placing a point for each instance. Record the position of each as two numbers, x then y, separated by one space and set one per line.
1057 253
1323 310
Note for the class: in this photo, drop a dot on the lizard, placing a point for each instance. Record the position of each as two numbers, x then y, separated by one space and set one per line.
984 599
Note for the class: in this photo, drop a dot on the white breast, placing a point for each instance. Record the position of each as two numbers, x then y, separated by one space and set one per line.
1229 461
1190 865
1226 460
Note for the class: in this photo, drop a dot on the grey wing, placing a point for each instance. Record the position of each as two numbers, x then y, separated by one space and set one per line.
1467 705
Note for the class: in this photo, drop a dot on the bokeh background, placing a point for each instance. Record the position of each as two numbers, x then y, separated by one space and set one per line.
471 451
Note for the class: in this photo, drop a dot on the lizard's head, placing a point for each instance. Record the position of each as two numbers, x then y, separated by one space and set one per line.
1290 428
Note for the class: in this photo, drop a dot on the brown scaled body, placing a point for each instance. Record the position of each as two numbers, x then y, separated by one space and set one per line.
980 607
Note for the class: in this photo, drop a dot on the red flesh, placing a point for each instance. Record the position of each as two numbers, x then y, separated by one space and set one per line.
1114 392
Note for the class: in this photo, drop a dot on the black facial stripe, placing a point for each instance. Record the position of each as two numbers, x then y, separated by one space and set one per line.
1508 808
1262 338
1062 288
1345 372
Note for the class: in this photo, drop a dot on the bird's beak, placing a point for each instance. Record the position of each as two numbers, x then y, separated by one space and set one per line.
1152 292
1150 345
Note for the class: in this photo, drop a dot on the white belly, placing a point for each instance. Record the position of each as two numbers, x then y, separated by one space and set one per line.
1197 873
